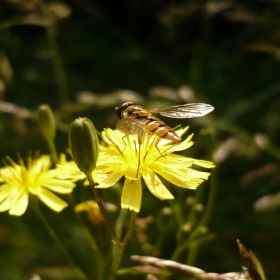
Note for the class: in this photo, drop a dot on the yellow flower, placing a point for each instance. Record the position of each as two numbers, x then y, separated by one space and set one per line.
18 181
93 211
69 170
123 156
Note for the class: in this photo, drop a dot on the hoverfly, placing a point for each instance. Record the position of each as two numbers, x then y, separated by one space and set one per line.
134 119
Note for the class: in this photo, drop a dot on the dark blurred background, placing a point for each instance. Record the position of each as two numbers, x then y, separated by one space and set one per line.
84 57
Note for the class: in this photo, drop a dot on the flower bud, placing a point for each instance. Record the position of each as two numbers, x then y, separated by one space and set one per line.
46 121
165 218
84 144
93 211
184 232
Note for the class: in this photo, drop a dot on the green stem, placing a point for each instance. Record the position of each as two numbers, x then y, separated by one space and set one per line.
57 60
210 205
195 246
178 213
201 228
90 239
102 209
78 271
52 149
120 249
179 251
120 222
86 231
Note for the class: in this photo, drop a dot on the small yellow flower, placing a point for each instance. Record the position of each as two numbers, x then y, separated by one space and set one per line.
69 169
18 181
93 211
123 156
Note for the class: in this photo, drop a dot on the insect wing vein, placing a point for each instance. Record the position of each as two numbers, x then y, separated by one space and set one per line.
192 110
130 125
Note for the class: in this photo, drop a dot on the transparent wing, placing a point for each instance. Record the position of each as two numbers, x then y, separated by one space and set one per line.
130 125
191 110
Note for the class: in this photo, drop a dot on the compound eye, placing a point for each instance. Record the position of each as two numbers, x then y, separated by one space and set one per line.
120 110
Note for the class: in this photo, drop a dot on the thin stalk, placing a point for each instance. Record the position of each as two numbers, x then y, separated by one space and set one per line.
86 231
120 248
102 209
52 149
90 239
120 223
178 213
56 55
179 251
78 271
195 246
204 222
201 228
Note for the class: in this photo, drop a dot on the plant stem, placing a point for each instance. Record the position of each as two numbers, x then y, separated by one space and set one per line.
52 149
57 61
90 239
201 228
195 246
78 271
86 231
102 209
120 249
120 222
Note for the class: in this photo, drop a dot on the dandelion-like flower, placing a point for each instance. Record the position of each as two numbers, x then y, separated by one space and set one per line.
93 211
150 160
20 181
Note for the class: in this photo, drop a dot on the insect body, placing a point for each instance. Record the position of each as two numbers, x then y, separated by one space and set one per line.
134 119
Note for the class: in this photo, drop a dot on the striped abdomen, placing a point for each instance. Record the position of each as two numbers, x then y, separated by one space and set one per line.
160 129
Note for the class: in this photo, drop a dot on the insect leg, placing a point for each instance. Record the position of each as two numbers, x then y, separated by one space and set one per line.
157 139
124 143
139 154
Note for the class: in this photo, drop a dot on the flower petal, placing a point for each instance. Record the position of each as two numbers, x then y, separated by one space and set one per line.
10 196
19 207
181 146
51 200
155 185
174 161
114 137
111 179
204 163
187 178
132 195
5 191
57 185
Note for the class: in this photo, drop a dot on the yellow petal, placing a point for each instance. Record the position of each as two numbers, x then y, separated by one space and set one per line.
19 207
181 146
111 179
10 196
174 161
113 137
204 163
5 191
60 186
176 177
155 185
51 200
132 195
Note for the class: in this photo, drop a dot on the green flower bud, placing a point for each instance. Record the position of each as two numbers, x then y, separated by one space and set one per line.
84 144
165 218
46 121
184 232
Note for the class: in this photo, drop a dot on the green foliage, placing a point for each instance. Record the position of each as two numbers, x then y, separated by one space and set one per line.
83 58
